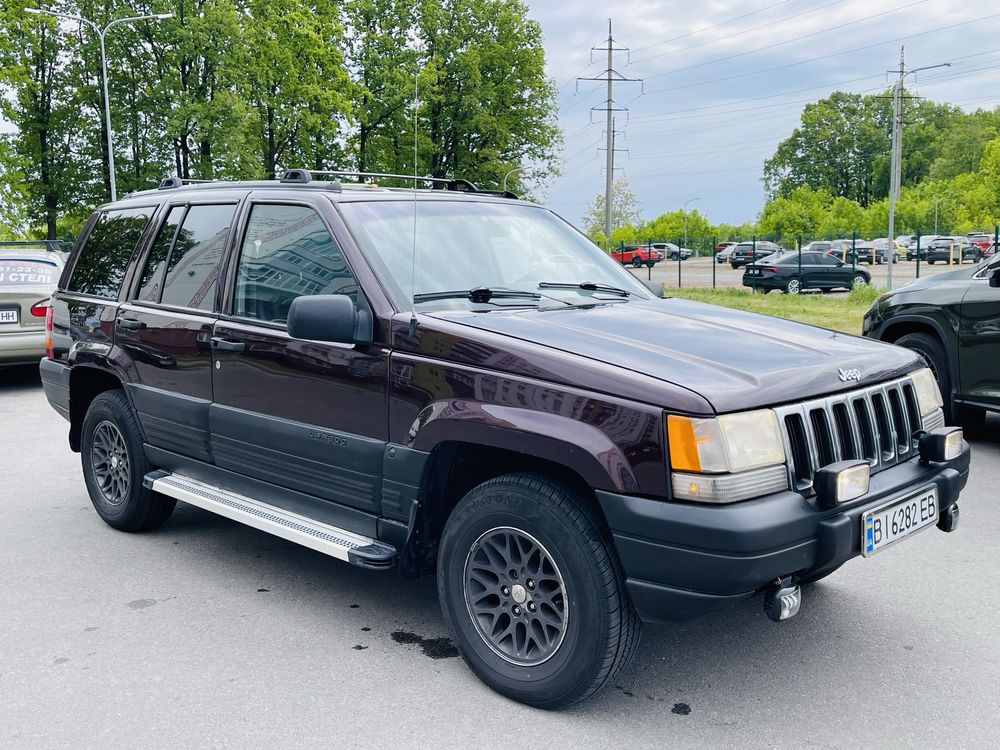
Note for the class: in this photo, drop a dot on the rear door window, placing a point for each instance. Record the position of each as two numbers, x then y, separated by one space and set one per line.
102 261
192 270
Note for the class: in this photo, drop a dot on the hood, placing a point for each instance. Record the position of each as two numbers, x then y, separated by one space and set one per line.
736 360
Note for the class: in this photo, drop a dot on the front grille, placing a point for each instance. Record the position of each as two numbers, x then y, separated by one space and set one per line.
875 424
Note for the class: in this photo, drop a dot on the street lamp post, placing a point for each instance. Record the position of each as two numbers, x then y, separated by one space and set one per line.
685 213
104 72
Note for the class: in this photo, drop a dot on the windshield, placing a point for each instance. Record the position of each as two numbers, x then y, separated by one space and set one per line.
463 245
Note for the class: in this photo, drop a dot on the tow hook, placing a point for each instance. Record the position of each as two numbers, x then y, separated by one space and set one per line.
782 600
948 520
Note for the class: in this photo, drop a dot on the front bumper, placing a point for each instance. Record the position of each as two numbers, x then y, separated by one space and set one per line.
683 560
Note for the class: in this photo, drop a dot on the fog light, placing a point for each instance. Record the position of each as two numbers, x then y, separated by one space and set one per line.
941 444
841 482
782 601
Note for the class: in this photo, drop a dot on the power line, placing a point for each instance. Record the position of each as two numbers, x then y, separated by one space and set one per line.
741 32
709 28
609 76
818 58
793 39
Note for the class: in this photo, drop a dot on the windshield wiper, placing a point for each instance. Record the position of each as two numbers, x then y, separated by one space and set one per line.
479 294
588 286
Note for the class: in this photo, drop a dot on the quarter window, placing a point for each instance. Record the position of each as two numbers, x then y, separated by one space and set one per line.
287 252
152 277
101 263
192 272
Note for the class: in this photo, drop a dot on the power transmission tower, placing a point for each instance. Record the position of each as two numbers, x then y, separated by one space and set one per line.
610 75
896 153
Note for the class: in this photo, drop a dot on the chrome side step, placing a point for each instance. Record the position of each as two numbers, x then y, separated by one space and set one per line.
330 540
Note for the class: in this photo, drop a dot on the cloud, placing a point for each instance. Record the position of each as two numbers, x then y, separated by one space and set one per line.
726 81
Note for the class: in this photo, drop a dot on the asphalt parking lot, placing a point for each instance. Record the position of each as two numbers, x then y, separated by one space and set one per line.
206 633
698 272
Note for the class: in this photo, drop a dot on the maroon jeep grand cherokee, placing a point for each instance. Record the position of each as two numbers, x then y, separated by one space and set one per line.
567 452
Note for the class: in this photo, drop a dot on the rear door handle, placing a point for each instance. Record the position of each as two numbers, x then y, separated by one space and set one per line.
227 345
131 324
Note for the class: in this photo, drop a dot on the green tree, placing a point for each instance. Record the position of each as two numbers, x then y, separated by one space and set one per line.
295 81
625 209
487 103
383 63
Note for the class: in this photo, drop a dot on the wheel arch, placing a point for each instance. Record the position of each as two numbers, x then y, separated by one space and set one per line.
895 328
85 384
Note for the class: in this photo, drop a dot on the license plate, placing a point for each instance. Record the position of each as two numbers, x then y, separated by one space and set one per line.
889 524
8 316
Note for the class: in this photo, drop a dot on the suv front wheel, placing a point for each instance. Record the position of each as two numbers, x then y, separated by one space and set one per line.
114 465
534 593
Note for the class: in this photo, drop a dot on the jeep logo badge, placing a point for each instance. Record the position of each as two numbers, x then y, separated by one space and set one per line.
847 376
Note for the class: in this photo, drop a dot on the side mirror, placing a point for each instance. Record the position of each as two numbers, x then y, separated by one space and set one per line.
656 287
324 317
995 278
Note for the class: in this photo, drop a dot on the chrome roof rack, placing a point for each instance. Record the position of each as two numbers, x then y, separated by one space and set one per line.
304 176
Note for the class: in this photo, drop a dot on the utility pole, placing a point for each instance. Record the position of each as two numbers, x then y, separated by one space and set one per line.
896 152
610 75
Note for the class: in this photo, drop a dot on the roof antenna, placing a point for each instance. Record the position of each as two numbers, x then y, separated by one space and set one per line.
413 255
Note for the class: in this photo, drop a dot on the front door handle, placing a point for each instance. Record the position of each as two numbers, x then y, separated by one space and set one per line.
227 345
131 324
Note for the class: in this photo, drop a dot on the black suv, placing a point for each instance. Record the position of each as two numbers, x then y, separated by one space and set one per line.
568 453
748 252
953 321
956 250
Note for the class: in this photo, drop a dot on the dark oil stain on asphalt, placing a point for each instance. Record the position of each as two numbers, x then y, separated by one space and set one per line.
359 647
91 629
435 648
624 691
682 709
355 606
61 660
366 628
263 591
141 603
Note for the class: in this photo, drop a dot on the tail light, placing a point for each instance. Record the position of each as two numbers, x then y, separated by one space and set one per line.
772 269
39 309
49 353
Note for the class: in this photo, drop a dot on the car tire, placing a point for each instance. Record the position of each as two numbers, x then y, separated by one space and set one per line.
637 262
674 256
792 286
859 280
114 465
503 535
932 352
929 262
735 265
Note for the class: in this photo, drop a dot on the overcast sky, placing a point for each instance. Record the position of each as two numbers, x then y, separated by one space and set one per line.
726 81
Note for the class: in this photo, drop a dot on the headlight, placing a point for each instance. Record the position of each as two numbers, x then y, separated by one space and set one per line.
726 459
928 393
730 443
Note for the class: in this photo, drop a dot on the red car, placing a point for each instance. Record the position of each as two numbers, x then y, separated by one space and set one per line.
636 255
984 242
723 245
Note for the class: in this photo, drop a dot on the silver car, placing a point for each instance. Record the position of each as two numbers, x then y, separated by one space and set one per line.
28 276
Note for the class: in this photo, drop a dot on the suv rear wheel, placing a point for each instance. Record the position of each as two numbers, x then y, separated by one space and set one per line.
534 593
114 465
637 261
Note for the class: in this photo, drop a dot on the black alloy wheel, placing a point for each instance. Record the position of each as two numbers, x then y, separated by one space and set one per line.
532 588
115 463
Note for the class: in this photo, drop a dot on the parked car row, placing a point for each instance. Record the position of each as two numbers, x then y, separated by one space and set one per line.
649 254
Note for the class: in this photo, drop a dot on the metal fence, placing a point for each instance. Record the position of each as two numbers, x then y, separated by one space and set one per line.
845 247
